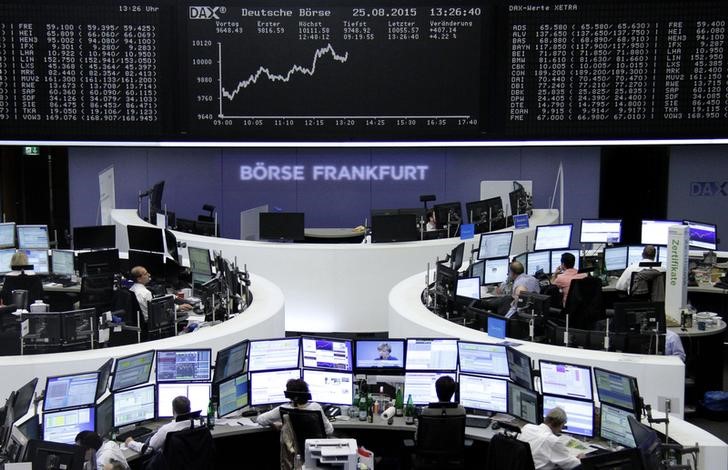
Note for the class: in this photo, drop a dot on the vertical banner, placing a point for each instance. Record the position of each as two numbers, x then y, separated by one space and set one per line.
676 280
107 194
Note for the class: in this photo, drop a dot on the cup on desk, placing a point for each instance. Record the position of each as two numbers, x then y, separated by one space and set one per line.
702 324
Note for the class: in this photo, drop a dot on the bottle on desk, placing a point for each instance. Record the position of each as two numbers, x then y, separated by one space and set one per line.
398 402
363 408
370 413
409 412
211 410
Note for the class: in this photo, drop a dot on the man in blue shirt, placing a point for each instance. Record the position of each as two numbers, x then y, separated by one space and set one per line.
518 282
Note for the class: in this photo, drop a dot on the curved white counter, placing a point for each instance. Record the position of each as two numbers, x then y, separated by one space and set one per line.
264 319
334 287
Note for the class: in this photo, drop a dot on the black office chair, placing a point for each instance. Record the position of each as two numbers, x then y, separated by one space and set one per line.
136 328
190 449
585 305
305 424
647 284
30 283
97 291
440 443
508 453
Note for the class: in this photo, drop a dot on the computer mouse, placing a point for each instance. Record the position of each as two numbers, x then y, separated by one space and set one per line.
495 425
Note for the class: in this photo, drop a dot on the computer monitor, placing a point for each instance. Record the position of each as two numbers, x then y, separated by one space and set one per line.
662 255
6 257
483 358
39 260
267 387
134 405
647 441
272 354
483 393
200 262
702 235
327 386
553 237
78 325
448 211
155 201
68 391
580 414
601 231
197 393
65 456
615 258
394 228
231 361
556 258
132 370
145 238
497 326
566 380
634 254
62 262
96 237
46 328
281 226
326 353
63 426
614 425
496 271
105 416
624 459
232 394
523 403
153 262
7 235
654 232
421 385
538 261
456 256
432 354
161 312
183 365
23 399
477 269
97 262
520 368
485 210
495 245
468 288
446 280
375 356
33 237
639 317
104 376
617 389
519 201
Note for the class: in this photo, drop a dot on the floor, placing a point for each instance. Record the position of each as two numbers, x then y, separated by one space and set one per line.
717 428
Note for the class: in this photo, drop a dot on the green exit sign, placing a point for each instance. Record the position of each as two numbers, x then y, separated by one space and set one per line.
31 150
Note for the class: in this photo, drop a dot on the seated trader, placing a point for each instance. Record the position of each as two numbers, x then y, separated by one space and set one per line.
100 455
548 446
141 278
564 274
23 280
648 256
297 391
180 411
445 388
673 345
431 221
509 290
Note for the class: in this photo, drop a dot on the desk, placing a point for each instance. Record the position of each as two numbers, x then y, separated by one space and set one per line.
333 235
704 358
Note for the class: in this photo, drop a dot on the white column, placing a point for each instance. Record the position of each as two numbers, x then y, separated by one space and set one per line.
676 281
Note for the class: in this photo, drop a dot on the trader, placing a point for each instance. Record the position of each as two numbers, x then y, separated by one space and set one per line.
431 221
648 256
548 446
445 389
141 278
564 274
100 455
518 281
180 411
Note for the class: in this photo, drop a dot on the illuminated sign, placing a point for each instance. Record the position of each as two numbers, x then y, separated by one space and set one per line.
263 172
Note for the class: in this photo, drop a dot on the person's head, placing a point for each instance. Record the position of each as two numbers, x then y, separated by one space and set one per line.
515 269
431 216
555 419
181 406
384 350
299 390
19 259
568 260
445 388
140 274
649 252
90 441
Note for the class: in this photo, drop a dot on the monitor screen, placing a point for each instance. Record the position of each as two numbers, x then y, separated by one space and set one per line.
105 417
483 393
153 262
615 258
600 231
553 237
327 353
134 405
132 370
614 425
497 326
67 391
104 375
62 263
197 393
538 261
456 256
616 389
394 228
523 403
65 456
483 358
556 258
145 238
39 260
379 354
200 262
6 257
477 269
272 354
421 385
102 261
634 254
432 354
520 368
580 414
266 388
448 212
336 388
702 235
654 232
567 380
63 426
33 237
23 399
639 317
161 312
496 271
282 226
232 394
183 365
488 210
7 235
468 287
231 361
94 237
495 245
661 256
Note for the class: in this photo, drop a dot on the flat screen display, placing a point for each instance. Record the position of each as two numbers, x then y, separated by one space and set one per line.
70 390
200 262
233 394
380 354
654 232
468 287
615 258
105 417
336 388
132 370
523 403
538 261
614 425
600 231
39 260
520 368
94 237
134 405
580 414
63 426
282 226
634 254
62 262
183 365
266 388
231 361
566 380
483 358
272 354
432 354
556 258
197 393
495 245
497 326
421 385
615 389
33 237
6 257
145 238
553 237
477 269
703 236
327 353
496 271
7 235
483 393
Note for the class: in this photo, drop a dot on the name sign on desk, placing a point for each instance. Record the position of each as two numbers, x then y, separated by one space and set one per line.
467 231
24 328
520 221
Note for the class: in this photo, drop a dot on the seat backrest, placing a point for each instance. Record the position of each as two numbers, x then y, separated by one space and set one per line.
648 284
441 435
306 424
190 449
508 453
584 304
32 284
97 291
124 299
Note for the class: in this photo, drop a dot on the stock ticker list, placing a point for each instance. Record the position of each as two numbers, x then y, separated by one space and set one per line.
597 68
79 70
337 72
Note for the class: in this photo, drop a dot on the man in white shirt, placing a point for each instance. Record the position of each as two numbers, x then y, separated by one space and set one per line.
548 446
180 408
648 256
141 278
100 455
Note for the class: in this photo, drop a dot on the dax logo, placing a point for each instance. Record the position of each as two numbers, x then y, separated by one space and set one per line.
709 188
206 13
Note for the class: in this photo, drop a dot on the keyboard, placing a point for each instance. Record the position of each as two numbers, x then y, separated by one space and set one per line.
136 433
477 422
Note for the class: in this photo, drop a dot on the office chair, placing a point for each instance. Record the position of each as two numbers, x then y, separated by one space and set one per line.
125 300
508 453
440 443
305 424
585 305
647 284
29 283
97 291
190 449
